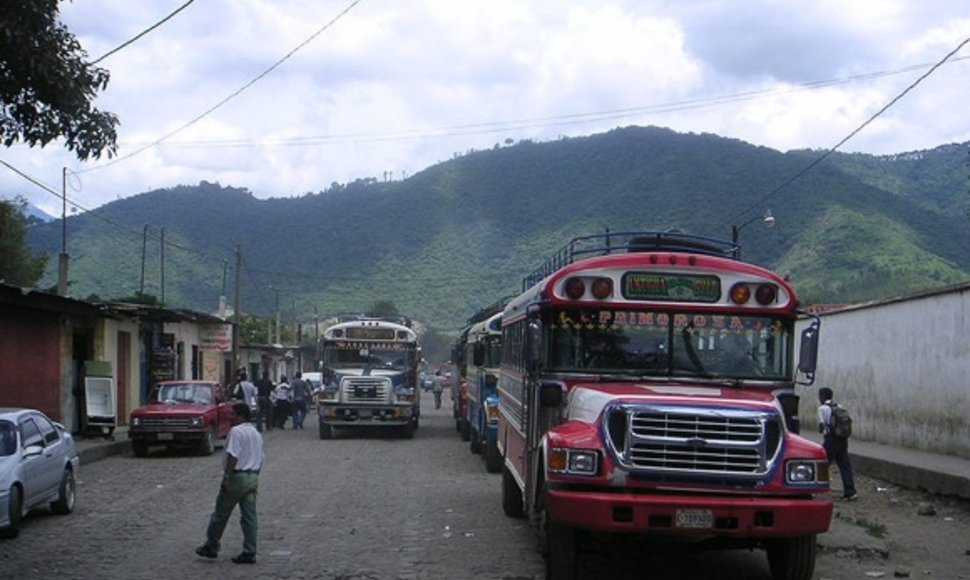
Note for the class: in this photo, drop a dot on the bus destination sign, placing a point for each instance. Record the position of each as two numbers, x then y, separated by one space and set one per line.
370 333
671 287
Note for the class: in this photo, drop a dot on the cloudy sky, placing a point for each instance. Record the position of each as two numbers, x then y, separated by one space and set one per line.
285 97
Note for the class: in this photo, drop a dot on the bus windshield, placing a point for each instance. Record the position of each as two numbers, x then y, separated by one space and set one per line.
668 343
373 355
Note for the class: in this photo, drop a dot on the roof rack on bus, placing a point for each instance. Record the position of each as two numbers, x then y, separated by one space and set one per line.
484 313
624 242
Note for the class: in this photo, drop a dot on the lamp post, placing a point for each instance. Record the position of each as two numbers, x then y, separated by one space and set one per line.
766 218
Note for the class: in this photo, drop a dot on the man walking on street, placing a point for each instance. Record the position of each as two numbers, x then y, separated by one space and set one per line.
836 447
301 398
264 390
240 481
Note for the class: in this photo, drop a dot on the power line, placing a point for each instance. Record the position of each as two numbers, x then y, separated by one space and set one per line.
143 33
233 95
540 122
834 148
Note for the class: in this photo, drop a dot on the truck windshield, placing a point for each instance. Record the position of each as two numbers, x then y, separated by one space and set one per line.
669 343
184 393
373 355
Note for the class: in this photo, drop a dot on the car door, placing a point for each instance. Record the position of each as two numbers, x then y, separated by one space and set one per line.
42 472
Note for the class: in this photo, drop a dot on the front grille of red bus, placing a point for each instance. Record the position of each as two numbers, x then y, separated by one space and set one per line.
680 441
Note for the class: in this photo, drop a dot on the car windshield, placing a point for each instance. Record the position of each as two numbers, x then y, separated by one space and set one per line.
183 393
8 438
668 343
374 355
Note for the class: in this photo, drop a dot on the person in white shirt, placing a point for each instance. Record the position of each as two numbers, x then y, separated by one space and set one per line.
282 403
242 463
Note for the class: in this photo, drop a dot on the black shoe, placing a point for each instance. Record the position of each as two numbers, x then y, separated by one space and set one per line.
244 558
851 497
206 552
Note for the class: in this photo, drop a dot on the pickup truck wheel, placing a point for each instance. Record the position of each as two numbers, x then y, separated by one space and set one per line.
139 448
208 444
493 459
66 494
326 431
511 495
792 558
16 510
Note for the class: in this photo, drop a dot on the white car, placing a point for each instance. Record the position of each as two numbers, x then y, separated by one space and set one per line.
38 466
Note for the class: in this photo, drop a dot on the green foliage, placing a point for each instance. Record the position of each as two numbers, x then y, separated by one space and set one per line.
462 234
18 265
46 86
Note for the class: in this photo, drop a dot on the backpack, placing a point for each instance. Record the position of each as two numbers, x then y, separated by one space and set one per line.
841 421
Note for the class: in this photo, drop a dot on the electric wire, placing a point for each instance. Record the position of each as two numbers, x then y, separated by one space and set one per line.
761 201
141 34
233 95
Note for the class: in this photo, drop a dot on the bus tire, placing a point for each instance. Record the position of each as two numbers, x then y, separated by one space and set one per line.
792 558
493 458
511 495
562 552
474 444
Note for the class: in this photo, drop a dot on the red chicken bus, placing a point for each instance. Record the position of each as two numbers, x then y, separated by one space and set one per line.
648 387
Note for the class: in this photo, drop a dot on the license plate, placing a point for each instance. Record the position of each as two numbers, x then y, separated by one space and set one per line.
165 436
364 414
695 519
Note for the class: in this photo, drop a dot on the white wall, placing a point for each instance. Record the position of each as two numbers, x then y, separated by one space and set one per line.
902 367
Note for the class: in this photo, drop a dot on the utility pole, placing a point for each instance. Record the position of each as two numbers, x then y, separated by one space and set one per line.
63 258
162 252
235 318
144 243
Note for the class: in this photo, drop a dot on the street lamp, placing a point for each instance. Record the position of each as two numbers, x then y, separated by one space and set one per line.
766 218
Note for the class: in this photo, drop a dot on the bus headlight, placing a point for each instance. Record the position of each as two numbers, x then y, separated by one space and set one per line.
806 471
327 395
573 461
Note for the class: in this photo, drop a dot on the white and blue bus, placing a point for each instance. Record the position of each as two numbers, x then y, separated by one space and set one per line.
369 376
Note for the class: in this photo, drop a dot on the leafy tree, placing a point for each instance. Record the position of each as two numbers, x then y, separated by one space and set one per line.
18 266
46 85
383 308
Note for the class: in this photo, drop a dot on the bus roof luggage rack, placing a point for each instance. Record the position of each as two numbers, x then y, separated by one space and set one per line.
354 317
625 242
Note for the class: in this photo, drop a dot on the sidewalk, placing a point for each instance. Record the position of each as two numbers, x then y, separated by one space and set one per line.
90 448
933 472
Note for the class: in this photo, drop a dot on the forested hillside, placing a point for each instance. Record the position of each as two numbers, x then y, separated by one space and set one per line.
463 233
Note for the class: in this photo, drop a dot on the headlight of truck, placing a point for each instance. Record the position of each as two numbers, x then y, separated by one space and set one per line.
806 471
198 421
136 421
327 395
573 461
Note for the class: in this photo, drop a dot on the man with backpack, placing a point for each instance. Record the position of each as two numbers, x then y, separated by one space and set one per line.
835 424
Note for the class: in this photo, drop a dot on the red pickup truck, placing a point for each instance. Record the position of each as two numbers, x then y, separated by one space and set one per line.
182 414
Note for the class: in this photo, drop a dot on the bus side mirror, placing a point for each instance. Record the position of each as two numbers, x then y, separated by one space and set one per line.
533 345
808 352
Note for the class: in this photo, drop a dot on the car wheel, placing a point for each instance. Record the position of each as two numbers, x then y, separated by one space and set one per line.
16 509
67 494
208 444
326 431
139 448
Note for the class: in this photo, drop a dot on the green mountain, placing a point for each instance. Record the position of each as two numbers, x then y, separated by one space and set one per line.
463 233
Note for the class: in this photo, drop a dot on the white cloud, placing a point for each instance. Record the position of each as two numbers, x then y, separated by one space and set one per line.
398 86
